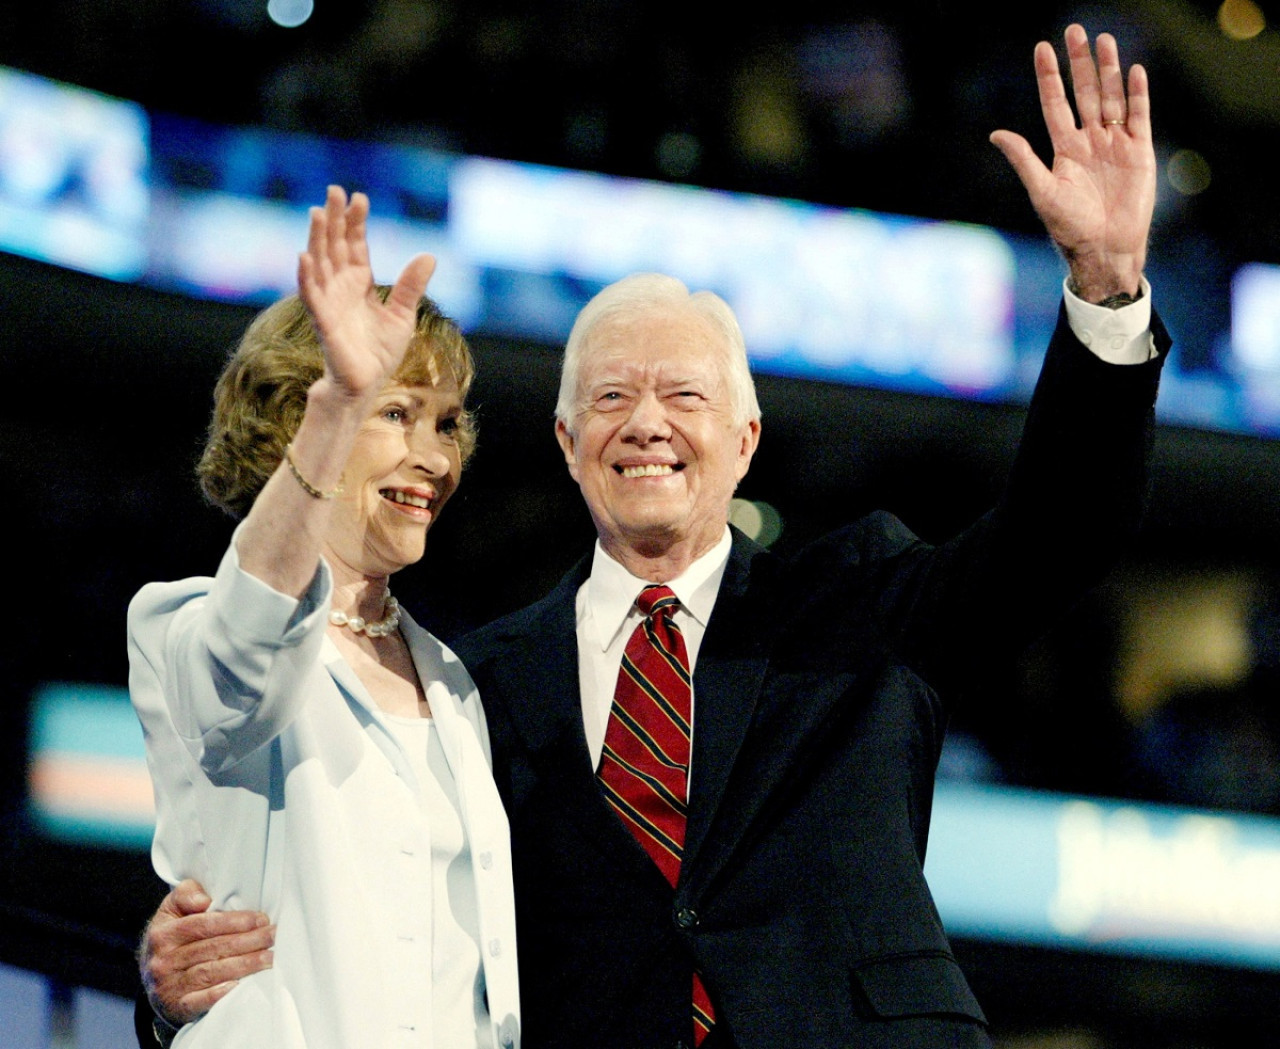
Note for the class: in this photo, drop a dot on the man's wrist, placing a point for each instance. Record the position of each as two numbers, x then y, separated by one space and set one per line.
1112 302
163 1031
1120 334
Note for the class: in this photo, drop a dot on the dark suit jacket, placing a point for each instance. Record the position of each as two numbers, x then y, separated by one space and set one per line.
822 692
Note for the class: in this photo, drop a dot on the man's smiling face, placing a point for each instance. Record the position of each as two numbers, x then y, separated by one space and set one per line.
655 446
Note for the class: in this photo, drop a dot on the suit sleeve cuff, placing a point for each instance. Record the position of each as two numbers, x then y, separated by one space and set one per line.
1120 336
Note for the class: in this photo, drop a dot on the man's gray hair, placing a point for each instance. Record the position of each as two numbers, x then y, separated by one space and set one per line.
654 292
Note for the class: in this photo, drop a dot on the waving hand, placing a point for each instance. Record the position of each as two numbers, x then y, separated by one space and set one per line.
364 339
1097 199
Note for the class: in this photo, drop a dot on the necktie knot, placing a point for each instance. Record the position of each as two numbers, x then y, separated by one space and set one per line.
654 599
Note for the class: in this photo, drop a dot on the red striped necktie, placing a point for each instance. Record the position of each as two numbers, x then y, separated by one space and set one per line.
645 768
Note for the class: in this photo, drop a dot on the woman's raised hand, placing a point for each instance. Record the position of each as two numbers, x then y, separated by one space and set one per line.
364 339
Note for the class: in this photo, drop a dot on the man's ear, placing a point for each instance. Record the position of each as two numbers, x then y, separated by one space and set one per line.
568 447
750 442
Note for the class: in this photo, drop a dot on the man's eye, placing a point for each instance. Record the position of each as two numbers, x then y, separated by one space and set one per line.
394 414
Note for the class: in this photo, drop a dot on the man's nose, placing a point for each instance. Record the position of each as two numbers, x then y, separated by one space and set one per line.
647 421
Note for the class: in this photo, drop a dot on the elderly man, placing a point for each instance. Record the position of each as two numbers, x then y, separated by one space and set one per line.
718 764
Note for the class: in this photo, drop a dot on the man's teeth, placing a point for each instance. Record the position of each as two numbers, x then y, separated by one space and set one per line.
409 500
651 470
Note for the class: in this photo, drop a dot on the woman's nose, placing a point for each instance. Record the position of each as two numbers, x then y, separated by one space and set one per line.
430 453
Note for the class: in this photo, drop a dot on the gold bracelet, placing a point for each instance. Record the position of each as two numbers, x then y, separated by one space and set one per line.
307 486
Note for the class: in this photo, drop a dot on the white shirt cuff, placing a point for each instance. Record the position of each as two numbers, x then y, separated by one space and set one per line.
1120 336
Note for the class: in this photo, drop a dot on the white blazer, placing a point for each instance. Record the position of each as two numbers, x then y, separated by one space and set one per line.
279 788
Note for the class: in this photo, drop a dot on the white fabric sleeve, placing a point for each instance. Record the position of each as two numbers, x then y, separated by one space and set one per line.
1120 336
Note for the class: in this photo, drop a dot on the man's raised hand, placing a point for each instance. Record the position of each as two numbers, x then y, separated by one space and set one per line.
1097 199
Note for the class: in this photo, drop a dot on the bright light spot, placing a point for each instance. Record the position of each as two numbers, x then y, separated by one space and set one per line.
1188 172
289 13
1241 19
1255 324
759 521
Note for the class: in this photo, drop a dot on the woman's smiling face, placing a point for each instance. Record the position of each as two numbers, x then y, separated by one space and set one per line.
404 466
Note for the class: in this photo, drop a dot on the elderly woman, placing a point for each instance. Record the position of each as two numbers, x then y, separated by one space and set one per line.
317 756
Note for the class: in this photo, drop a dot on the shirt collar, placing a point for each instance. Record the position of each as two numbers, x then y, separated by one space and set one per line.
612 591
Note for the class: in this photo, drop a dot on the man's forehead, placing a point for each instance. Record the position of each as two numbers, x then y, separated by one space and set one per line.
643 365
658 339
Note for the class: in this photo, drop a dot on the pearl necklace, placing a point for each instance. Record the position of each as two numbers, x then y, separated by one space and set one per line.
388 624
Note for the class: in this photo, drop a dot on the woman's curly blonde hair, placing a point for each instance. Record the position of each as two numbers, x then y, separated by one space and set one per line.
261 395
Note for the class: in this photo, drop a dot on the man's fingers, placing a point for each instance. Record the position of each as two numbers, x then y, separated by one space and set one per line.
1110 79
176 931
193 976
195 1005
199 941
1022 158
1139 119
1084 76
180 1009
186 898
184 981
1059 119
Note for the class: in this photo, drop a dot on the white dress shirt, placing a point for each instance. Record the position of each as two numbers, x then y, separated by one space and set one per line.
607 616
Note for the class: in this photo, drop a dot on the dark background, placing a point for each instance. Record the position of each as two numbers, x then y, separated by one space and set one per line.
886 106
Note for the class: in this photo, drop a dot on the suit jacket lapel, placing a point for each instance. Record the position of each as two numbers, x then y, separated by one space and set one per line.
539 676
726 681
538 673
754 746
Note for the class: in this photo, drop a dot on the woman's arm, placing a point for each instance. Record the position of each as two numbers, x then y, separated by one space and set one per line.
364 341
